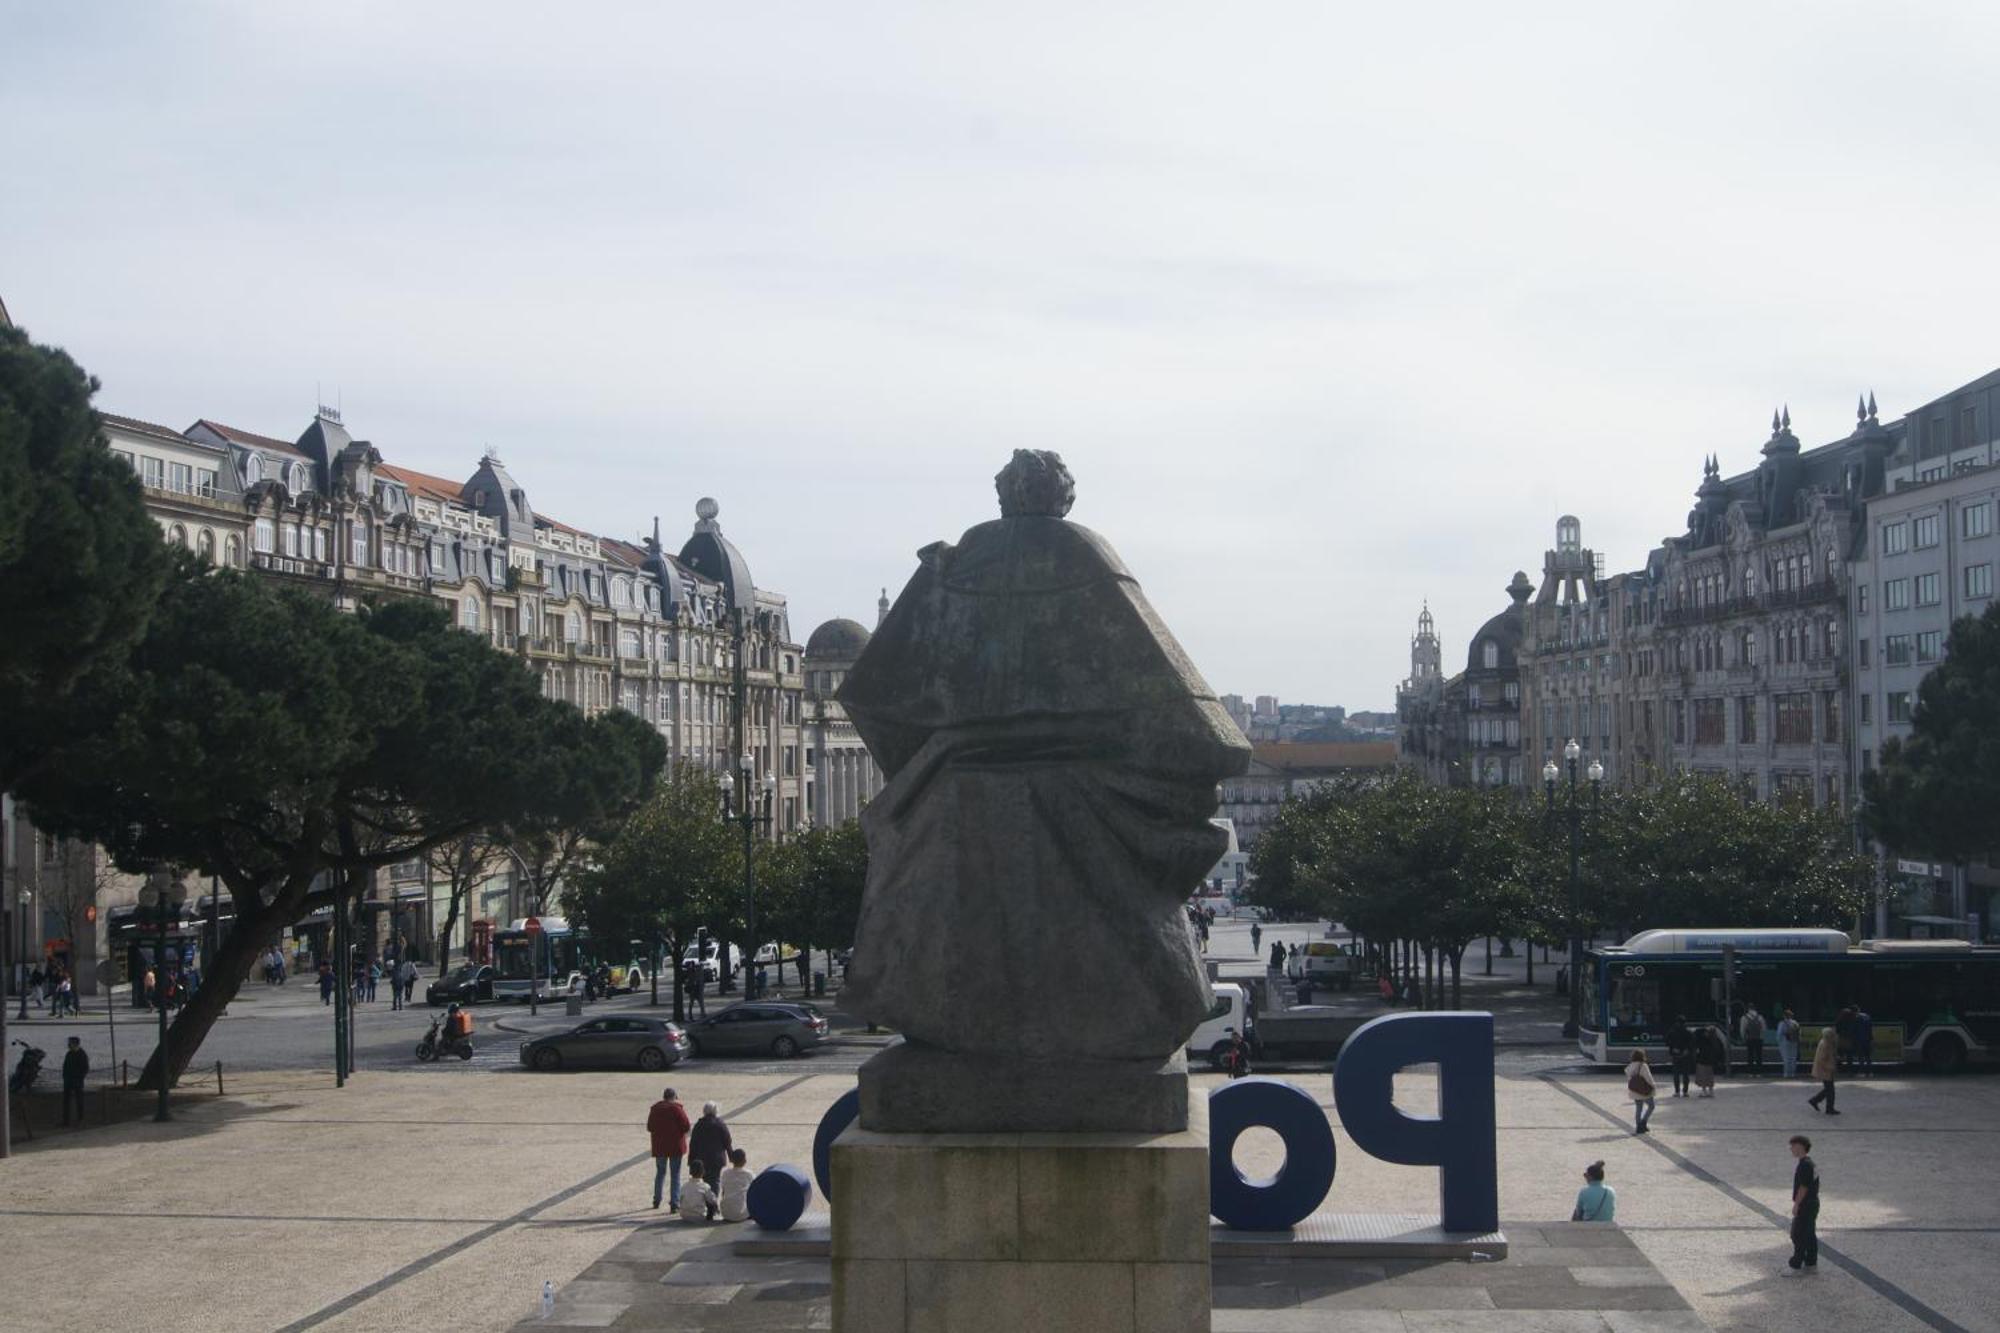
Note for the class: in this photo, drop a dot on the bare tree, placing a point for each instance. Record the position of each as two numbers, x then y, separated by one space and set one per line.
461 863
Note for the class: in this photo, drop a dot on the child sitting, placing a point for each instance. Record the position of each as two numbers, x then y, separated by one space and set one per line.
735 1191
697 1196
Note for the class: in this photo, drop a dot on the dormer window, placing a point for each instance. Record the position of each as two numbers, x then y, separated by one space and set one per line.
1489 655
253 469
296 480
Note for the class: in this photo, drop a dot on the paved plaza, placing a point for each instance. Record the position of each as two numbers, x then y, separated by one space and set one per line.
445 1197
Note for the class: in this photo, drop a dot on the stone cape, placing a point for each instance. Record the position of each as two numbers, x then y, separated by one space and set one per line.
1052 759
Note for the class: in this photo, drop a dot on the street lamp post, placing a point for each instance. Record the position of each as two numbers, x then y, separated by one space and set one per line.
748 819
1572 753
162 900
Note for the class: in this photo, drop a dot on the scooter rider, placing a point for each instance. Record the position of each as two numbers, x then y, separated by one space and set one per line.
457 1025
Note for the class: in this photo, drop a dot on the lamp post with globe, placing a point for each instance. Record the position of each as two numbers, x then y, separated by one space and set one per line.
1572 753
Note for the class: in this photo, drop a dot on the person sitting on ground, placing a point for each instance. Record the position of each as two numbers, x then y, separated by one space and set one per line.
733 1194
1596 1201
697 1196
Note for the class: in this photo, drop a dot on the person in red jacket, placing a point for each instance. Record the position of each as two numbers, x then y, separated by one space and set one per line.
667 1123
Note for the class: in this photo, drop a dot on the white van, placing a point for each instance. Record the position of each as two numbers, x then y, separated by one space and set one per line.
1211 1040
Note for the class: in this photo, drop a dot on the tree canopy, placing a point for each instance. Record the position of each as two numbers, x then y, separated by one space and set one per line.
81 562
1398 860
671 868
259 735
1937 792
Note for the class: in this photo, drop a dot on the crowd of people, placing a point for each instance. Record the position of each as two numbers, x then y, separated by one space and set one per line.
718 1176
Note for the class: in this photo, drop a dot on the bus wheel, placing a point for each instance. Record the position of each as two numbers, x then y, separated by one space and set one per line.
1944 1054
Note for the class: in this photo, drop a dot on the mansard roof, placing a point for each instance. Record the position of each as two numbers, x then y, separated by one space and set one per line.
250 439
423 483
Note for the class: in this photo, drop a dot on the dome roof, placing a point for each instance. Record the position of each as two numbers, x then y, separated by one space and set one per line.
837 641
1504 632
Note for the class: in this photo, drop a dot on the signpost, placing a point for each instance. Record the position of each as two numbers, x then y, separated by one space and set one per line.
533 925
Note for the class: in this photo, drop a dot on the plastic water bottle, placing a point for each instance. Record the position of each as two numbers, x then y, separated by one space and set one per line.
548 1298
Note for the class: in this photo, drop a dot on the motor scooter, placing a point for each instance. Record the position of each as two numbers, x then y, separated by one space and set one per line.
437 1044
28 1070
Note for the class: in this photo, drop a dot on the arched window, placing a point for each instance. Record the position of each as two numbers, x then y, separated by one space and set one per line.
468 613
295 479
359 554
573 627
253 469
528 619
177 535
204 545
629 644
232 551
1489 654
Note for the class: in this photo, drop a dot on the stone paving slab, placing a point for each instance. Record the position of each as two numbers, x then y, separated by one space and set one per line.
1580 1277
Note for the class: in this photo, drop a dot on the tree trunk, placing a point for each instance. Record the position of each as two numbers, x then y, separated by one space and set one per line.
458 892
1457 986
232 965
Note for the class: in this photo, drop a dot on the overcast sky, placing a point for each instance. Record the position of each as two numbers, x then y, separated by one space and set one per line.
1330 309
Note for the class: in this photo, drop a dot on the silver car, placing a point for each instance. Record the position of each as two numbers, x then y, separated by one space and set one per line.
617 1043
757 1027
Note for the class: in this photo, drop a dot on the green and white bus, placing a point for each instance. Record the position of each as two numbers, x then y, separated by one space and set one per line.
1937 1001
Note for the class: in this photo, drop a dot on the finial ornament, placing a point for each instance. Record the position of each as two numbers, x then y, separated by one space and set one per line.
1774 421
1860 407
1788 416
706 509
1871 404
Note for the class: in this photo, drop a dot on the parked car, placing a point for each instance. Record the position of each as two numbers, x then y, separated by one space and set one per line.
619 1043
466 983
758 1027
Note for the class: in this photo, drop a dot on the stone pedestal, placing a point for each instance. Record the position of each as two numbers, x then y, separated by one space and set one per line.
1022 1233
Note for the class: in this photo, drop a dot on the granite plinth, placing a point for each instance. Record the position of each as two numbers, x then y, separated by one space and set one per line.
1085 1232
915 1089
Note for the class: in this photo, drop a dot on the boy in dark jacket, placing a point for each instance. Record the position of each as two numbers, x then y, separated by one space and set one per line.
76 1068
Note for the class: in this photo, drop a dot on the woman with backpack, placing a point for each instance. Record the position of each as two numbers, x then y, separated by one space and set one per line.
1711 1057
1643 1091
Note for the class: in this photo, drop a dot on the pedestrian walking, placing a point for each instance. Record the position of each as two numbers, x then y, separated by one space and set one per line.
667 1127
1277 960
372 975
66 998
1753 1040
1711 1057
1596 1201
1680 1051
1864 1042
76 1068
34 990
1788 1044
326 983
694 977
1644 1092
709 1144
1256 937
1805 1207
1825 1065
409 981
1848 1041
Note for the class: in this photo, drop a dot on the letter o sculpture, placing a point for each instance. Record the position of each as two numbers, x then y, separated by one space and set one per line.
1301 1183
837 1118
778 1197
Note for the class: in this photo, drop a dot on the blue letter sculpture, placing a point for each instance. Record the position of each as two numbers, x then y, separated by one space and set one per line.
1459 1140
837 1118
778 1197
1292 1194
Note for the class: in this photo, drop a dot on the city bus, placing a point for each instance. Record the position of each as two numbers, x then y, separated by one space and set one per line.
1937 1001
559 965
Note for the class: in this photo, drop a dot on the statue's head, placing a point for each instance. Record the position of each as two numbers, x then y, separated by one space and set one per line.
1035 484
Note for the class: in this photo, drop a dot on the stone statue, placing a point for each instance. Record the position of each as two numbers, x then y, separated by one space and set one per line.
1052 759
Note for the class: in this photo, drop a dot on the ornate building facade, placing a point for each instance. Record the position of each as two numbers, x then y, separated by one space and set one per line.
845 776
685 640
